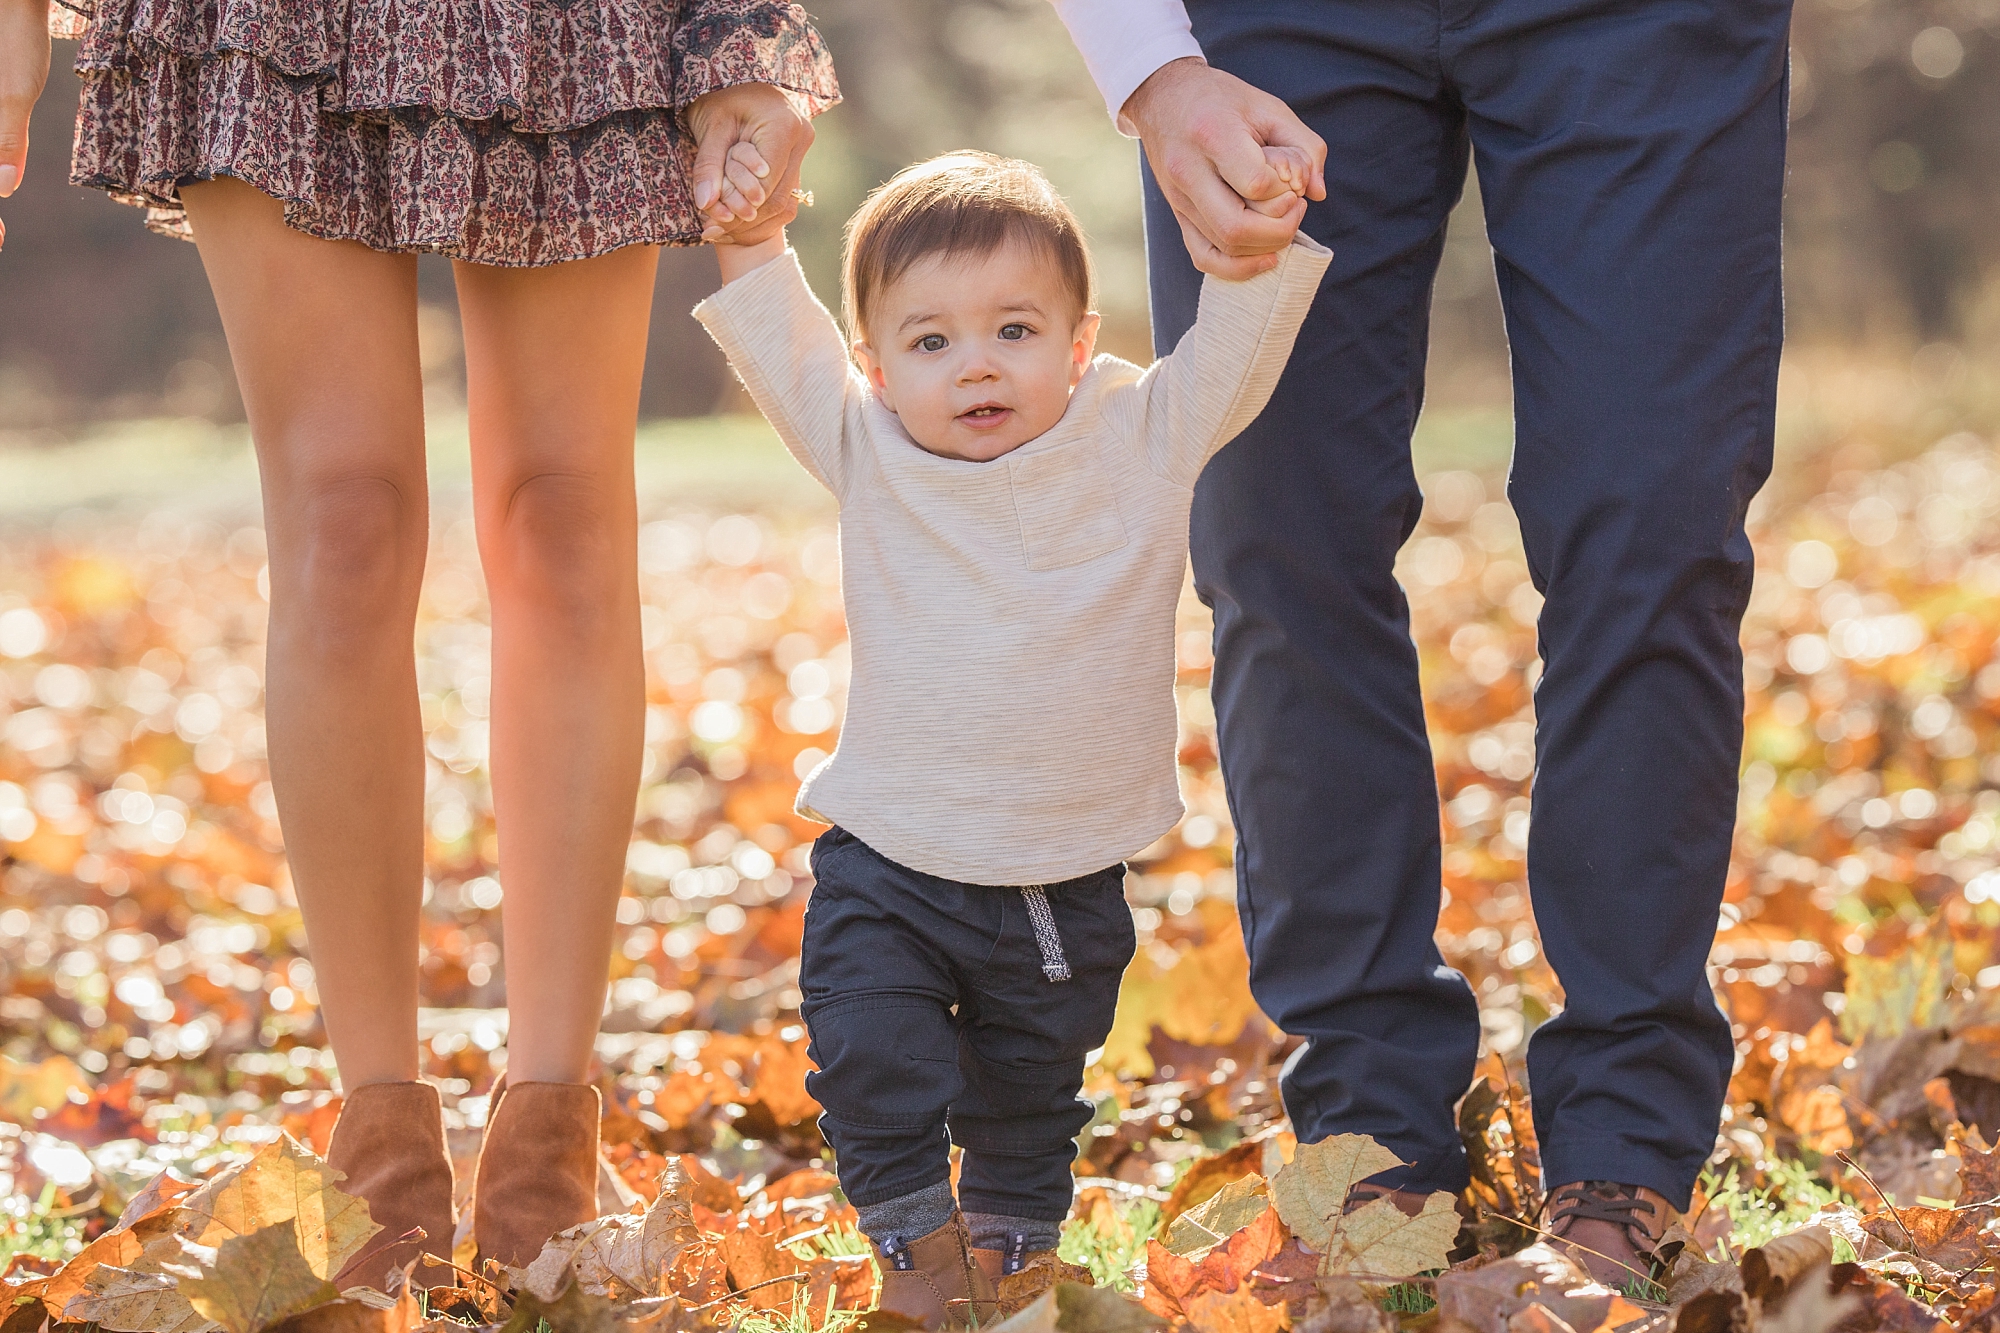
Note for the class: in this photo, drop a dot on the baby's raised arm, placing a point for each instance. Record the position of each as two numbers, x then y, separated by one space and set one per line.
1198 397
790 355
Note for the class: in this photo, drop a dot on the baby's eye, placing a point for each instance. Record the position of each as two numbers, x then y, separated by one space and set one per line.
1013 333
931 342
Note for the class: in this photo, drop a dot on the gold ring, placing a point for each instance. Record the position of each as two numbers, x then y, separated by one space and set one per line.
804 198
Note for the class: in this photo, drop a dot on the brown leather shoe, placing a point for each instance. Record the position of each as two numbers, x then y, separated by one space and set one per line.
1611 1231
537 1169
1019 1275
933 1279
389 1142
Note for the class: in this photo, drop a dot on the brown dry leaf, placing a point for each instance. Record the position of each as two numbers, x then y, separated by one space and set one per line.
1483 1298
1978 1174
1778 1266
1074 1308
282 1182
574 1311
1339 1306
163 1191
1953 1238
1019 1290
258 1280
622 1257
1236 1311
1538 1318
130 1302
353 1316
1715 1311
1233 1207
755 1258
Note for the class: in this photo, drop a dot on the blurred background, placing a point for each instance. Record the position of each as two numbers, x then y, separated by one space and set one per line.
156 996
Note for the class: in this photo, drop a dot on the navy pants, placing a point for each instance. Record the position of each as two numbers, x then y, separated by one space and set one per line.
934 1020
1631 158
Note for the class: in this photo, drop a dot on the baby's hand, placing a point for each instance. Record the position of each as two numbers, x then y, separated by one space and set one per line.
742 190
1294 172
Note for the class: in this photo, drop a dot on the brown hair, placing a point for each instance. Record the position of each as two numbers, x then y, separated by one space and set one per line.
962 203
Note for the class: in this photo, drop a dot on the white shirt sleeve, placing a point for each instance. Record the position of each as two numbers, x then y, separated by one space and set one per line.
1124 41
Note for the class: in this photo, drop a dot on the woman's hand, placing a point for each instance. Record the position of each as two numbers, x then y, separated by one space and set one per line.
750 143
24 68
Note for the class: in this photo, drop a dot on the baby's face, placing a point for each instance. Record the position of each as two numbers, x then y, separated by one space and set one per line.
977 354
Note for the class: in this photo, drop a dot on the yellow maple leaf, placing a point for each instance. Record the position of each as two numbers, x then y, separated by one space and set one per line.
282 1182
1202 997
1235 1206
257 1280
1376 1239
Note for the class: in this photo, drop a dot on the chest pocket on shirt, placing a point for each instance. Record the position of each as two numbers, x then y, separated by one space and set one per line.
1068 507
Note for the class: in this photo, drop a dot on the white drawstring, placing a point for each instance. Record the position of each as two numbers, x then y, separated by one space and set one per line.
1054 966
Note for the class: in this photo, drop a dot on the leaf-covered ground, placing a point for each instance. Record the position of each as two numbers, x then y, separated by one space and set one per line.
157 1008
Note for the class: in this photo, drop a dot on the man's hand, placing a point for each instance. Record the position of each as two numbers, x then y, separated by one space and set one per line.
24 68
750 143
1220 148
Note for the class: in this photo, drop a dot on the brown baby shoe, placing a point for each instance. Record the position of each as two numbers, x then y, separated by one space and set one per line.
933 1280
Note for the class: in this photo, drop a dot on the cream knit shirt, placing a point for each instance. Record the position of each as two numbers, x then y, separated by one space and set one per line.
1010 718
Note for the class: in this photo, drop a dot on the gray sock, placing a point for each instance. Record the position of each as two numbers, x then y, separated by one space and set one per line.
908 1217
998 1231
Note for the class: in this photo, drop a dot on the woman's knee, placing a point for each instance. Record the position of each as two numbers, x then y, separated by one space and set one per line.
347 557
564 542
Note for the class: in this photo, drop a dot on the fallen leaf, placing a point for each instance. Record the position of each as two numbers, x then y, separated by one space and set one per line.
1234 1206
1236 1311
1073 1308
282 1182
1230 1264
1339 1306
1887 997
1484 1298
1208 1175
1954 1238
1311 1190
573 1311
130 1302
1776 1267
622 1257
258 1280
1045 1272
1377 1240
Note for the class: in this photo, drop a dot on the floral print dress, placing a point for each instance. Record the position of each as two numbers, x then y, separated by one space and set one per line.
509 132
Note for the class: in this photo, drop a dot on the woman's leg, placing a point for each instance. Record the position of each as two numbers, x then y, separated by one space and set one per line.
324 337
553 360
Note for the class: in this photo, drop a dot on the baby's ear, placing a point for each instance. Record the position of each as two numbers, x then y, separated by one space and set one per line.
871 369
1085 344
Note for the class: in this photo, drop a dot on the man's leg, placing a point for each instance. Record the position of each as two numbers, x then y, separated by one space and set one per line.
1295 529
1632 161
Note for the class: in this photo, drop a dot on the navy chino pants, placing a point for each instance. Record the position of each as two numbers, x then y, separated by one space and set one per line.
1631 158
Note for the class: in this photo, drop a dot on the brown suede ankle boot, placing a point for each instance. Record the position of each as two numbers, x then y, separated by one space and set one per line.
933 1279
537 1169
389 1142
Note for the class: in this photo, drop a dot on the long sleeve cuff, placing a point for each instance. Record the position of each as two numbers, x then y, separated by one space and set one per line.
1124 41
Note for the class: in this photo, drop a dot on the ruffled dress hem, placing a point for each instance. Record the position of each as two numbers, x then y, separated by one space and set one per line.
518 135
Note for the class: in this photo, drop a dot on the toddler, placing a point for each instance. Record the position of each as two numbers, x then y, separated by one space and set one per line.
1013 536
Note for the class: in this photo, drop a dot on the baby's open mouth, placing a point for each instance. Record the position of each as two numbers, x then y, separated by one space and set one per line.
986 414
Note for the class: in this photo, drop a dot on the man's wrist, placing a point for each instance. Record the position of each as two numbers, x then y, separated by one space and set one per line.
1133 117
